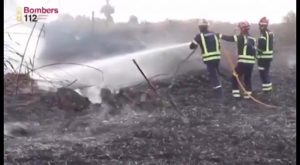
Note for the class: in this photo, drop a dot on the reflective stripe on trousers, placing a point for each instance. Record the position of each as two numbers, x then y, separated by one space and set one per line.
267 87
264 71
244 71
236 93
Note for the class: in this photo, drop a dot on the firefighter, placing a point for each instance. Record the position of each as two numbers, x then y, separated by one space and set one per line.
265 53
246 59
211 55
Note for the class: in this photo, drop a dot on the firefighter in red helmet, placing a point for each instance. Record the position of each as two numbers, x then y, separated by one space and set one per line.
265 53
246 58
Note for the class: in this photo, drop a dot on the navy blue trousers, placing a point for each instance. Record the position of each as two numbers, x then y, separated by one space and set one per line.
213 69
244 72
264 72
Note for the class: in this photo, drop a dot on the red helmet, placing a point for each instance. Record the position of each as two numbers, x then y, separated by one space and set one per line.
244 25
263 21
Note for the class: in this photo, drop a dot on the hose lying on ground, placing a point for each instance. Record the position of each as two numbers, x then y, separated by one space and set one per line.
230 61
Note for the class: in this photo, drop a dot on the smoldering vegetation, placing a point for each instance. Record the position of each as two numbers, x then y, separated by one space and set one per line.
134 125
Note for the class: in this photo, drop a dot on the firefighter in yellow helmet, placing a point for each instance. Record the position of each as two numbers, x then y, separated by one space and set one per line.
211 55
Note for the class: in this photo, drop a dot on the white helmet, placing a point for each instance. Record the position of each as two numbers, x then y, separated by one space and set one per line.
203 22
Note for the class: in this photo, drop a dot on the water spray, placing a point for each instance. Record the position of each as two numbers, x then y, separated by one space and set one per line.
182 116
178 67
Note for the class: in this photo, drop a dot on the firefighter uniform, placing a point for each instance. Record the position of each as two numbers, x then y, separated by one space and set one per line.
246 59
265 54
211 55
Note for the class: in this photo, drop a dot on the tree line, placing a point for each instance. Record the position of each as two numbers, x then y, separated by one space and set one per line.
83 34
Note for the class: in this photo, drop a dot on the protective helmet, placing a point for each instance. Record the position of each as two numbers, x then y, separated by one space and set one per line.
203 22
244 26
263 21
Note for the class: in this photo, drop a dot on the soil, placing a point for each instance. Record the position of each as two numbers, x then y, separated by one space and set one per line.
231 132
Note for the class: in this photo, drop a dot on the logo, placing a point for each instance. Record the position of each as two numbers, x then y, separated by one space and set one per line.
19 14
28 14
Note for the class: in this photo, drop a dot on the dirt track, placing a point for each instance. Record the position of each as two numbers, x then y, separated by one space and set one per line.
229 133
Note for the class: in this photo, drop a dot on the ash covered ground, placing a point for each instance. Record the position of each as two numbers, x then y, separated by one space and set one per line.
233 132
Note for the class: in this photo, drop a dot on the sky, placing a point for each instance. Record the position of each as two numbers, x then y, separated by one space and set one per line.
160 10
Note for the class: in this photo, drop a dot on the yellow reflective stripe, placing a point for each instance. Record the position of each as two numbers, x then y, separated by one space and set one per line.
217 44
252 38
247 57
211 58
261 68
235 91
245 49
195 42
262 37
235 38
205 54
211 53
246 61
267 89
219 86
265 56
245 46
267 85
267 38
268 52
203 43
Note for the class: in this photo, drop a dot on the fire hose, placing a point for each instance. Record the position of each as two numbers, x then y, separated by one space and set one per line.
230 61
232 66
170 99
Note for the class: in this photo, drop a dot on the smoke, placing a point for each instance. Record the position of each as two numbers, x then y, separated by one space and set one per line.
158 48
69 38
119 71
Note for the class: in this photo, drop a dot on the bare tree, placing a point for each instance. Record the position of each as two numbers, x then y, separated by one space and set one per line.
289 28
108 10
133 20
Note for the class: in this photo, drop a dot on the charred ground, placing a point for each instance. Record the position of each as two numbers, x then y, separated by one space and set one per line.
233 132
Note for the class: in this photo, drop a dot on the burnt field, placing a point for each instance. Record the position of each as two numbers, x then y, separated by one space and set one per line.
231 132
